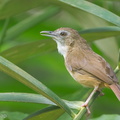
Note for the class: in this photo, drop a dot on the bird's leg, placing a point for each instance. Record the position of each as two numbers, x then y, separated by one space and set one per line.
89 98
101 93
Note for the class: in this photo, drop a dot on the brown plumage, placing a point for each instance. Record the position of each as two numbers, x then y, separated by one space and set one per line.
84 65
91 70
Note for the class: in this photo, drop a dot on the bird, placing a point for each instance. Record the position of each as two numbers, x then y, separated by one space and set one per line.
84 65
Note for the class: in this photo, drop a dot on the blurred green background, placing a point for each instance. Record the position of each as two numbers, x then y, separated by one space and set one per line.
21 43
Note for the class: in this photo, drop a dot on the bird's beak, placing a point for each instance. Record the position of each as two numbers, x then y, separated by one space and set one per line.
48 33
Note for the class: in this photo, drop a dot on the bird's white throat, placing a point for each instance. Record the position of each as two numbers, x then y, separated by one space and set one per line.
62 49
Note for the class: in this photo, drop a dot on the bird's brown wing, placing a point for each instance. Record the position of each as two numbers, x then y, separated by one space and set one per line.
101 69
96 66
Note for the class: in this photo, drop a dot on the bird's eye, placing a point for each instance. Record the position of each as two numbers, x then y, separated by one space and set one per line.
63 33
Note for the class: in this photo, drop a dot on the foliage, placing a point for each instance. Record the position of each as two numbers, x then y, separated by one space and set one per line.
24 53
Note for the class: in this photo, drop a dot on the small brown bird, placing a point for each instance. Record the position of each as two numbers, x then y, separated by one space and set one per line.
84 65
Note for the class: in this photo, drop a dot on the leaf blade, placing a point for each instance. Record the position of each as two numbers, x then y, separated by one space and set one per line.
29 22
107 117
35 98
21 52
95 10
25 78
5 115
52 113
100 33
10 8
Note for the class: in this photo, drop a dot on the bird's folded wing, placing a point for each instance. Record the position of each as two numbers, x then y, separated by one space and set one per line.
96 66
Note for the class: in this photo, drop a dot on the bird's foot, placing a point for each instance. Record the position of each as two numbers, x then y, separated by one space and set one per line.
87 108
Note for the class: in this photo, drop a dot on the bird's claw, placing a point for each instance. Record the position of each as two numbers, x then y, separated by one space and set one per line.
87 108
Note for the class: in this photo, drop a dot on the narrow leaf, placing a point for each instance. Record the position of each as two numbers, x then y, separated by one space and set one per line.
51 113
107 117
5 115
95 10
117 69
30 22
3 33
9 8
100 33
22 52
35 98
22 76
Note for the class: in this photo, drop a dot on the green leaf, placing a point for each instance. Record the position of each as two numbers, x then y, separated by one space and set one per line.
107 117
100 33
35 98
4 115
117 69
3 32
64 117
51 113
19 53
29 22
95 10
9 8
25 78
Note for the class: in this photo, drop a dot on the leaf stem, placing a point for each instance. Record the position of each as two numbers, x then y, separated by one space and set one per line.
80 113
83 110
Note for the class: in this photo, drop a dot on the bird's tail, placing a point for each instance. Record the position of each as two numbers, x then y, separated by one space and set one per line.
116 89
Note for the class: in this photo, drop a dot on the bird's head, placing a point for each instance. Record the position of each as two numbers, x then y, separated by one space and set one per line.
66 39
63 36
